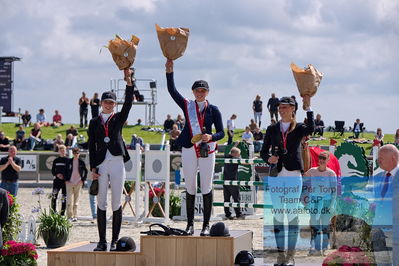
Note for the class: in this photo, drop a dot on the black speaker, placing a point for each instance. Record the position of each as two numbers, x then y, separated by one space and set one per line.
153 84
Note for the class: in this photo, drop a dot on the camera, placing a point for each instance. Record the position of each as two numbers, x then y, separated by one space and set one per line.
204 150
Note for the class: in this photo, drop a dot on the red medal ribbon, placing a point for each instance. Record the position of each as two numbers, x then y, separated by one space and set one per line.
284 137
105 124
201 115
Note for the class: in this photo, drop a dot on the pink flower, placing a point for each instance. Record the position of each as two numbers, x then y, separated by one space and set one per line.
10 199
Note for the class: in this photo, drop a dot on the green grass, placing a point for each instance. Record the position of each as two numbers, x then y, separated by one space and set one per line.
155 138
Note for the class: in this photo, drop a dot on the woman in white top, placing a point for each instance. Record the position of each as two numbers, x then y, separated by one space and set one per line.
248 136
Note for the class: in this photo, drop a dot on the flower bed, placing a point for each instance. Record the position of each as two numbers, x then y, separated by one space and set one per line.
14 253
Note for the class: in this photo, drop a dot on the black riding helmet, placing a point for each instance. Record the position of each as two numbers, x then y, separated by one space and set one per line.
219 229
244 257
125 244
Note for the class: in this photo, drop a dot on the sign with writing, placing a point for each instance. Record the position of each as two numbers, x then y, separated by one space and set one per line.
6 83
29 162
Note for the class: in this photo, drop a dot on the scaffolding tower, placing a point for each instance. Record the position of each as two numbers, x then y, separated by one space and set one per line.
146 87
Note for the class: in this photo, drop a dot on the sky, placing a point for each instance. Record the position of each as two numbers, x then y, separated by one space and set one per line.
242 48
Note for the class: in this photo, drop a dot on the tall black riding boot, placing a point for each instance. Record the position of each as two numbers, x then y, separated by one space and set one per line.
190 204
102 229
207 200
116 227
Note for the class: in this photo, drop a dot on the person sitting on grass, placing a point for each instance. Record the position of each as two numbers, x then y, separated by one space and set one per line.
19 137
57 119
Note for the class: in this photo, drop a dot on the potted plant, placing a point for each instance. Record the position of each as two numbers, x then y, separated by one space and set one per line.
54 228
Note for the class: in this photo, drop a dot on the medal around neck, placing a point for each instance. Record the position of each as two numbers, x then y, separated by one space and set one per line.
107 139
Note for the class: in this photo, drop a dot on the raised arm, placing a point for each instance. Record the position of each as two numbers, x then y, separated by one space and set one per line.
308 128
127 105
177 97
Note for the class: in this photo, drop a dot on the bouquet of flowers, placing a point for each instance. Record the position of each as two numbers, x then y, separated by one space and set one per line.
123 52
14 253
173 41
348 256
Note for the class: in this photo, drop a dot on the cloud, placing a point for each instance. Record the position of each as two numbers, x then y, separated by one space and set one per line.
242 48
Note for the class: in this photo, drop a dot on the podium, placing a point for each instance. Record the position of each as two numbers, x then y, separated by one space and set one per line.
158 250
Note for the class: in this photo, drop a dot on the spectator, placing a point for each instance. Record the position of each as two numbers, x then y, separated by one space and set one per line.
83 109
258 139
295 102
173 135
19 137
138 122
57 119
10 166
320 202
74 181
69 141
272 105
379 136
230 128
95 105
319 126
397 137
72 130
58 142
257 107
272 122
230 172
35 136
168 124
4 142
253 125
247 136
136 140
180 122
41 119
26 118
59 173
4 211
357 128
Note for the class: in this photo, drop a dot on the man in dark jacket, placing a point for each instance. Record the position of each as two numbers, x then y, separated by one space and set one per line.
272 105
10 166
59 173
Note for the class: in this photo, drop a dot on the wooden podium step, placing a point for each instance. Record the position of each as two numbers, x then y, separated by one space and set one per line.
158 250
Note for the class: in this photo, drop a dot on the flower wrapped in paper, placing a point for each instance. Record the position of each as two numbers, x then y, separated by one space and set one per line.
123 52
307 80
173 41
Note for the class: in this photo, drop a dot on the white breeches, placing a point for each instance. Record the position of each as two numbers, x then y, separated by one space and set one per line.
112 173
191 164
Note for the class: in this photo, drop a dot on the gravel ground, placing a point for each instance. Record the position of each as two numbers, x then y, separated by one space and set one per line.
85 230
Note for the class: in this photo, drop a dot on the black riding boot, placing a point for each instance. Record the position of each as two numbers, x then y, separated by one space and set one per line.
190 204
116 227
207 200
102 229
